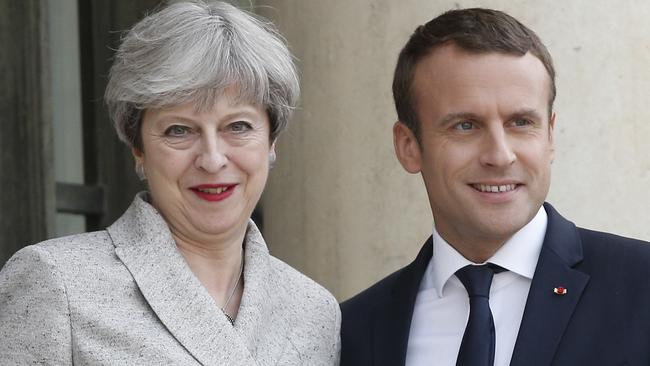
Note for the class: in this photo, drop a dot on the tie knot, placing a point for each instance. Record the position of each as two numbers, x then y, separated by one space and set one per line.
477 279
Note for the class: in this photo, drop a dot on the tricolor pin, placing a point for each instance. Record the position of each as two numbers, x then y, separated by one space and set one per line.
560 290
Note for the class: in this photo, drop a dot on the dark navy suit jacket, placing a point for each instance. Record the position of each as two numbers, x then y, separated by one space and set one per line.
603 319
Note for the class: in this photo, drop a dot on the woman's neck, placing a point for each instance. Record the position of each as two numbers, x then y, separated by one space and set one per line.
217 264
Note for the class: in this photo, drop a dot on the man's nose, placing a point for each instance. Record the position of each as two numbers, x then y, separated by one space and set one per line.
212 155
497 150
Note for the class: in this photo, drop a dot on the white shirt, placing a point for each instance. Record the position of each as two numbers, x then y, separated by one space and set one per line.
442 304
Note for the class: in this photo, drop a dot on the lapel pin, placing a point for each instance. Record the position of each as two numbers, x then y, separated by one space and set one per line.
560 290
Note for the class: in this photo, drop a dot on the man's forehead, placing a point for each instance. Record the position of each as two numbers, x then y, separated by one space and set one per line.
452 80
450 64
450 54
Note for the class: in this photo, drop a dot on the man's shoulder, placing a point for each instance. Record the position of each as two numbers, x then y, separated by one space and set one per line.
376 294
628 252
357 322
381 314
405 280
591 247
605 238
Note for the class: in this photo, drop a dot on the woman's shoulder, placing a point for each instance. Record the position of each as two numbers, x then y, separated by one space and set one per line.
316 336
72 245
73 251
50 264
294 287
301 291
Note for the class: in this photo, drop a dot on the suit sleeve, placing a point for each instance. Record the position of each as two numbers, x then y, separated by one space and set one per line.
34 315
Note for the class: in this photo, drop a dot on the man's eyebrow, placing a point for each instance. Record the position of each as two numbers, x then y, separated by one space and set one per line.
527 112
458 116
524 112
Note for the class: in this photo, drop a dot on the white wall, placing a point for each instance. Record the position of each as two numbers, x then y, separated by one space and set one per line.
338 205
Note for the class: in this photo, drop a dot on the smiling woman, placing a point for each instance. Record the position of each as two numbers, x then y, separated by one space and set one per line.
206 169
200 92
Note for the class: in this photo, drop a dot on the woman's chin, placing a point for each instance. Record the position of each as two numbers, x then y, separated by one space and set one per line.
218 226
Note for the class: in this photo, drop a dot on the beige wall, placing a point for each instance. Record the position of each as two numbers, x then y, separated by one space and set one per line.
340 208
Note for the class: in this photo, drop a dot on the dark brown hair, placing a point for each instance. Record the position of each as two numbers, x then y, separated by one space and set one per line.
474 30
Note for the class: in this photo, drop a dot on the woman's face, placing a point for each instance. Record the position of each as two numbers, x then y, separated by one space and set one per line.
206 170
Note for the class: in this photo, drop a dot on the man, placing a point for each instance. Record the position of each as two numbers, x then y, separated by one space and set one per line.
504 279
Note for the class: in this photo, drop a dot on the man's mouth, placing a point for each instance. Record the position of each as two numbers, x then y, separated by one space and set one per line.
488 188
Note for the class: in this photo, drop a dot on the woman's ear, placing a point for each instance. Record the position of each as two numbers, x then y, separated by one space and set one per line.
138 156
407 148
272 155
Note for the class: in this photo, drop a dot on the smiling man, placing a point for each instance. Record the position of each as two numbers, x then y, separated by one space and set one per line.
504 279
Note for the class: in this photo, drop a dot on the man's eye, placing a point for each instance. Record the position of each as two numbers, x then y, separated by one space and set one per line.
240 126
177 131
464 126
521 122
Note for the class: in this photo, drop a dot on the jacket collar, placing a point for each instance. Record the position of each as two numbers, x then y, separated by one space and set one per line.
144 244
547 314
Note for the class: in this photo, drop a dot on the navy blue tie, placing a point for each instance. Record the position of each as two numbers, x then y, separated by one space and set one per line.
477 347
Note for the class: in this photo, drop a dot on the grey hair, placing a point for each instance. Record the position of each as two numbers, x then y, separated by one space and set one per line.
193 51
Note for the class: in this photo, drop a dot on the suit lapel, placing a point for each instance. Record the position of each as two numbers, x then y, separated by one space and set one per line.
392 318
547 314
145 246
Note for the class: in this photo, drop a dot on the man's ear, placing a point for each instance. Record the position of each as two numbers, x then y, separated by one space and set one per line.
407 148
551 136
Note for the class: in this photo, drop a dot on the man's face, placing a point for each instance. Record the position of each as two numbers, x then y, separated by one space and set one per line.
486 143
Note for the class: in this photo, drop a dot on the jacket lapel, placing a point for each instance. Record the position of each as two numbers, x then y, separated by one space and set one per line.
144 244
261 319
547 314
392 318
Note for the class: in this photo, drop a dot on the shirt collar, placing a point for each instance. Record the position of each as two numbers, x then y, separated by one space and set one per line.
519 254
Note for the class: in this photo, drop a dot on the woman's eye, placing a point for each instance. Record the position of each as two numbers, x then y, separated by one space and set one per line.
177 131
240 126
464 126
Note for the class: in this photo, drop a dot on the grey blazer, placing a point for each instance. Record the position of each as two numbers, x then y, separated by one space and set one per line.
126 296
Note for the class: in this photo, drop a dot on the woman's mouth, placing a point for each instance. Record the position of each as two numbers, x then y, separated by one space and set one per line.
214 192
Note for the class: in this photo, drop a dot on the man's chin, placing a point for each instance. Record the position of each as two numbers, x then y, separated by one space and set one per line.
500 226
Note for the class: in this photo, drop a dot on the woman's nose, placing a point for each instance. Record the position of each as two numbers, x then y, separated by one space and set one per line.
212 155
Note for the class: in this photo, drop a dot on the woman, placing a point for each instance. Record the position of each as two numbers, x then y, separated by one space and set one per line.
199 92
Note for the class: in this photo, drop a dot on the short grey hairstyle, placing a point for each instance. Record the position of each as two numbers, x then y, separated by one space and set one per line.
192 51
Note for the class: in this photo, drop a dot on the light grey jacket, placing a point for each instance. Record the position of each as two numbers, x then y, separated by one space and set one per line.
126 296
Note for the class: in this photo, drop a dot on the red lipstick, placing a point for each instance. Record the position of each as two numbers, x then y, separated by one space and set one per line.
213 192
